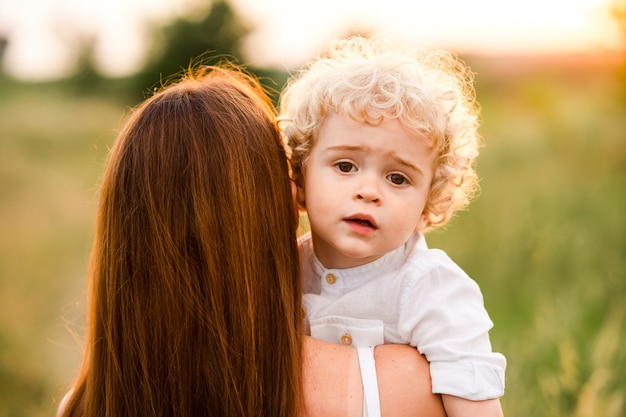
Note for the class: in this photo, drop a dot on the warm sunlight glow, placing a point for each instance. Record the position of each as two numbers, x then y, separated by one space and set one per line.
478 26
42 32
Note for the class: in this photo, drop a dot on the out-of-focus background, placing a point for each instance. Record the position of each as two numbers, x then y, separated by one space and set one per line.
545 240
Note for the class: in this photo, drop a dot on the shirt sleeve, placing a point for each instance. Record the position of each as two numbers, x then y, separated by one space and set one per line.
442 313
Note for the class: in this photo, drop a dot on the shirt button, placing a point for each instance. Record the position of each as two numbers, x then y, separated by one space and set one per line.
331 278
346 339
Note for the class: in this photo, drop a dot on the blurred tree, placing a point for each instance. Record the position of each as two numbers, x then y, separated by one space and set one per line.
618 11
87 77
212 34
3 45
209 34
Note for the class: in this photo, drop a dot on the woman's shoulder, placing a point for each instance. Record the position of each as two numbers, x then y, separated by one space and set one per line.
332 381
63 403
332 384
404 383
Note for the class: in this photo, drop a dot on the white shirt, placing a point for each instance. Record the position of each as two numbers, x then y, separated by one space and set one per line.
412 295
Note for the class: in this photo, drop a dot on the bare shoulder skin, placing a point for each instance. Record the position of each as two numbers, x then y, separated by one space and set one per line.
456 406
332 381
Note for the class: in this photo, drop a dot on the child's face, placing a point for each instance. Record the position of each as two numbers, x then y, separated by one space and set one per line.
365 188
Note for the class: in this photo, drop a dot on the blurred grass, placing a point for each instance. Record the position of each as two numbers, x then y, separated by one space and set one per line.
52 147
545 239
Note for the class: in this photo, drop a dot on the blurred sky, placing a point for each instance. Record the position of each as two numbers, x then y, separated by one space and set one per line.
44 34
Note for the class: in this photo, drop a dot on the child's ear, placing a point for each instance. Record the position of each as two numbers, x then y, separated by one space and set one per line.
299 195
422 222
294 193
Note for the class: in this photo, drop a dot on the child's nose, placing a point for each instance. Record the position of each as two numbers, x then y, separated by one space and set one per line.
369 197
368 191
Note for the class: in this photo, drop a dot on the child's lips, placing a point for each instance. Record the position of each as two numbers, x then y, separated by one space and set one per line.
362 220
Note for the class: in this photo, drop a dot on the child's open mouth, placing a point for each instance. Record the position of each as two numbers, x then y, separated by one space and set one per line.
362 225
362 222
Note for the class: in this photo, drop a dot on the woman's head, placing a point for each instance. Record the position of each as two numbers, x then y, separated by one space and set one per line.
367 79
194 278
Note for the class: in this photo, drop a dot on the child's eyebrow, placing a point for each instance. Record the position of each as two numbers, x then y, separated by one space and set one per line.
345 148
407 164
397 158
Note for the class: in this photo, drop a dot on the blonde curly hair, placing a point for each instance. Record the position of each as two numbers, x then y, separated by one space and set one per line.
430 92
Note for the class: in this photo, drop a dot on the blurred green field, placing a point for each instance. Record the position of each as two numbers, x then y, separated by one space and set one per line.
545 239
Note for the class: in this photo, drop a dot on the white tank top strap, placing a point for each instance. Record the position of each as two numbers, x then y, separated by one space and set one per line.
371 401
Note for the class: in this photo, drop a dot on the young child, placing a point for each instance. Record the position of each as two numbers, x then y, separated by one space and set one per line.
382 144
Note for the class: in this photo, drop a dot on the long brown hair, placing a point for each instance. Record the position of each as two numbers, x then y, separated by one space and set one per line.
194 289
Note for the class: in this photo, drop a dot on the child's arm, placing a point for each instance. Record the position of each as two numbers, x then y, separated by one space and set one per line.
460 407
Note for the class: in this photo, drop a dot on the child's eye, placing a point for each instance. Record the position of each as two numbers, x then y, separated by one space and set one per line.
345 166
397 179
